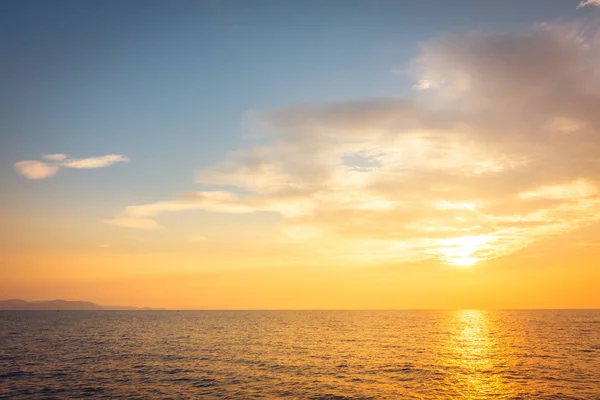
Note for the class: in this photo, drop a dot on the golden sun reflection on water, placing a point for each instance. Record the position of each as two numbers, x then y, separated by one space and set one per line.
479 361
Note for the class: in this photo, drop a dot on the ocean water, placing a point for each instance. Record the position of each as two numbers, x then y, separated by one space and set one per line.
300 354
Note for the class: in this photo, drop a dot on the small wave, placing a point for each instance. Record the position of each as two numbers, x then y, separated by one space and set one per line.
587 350
403 368
204 382
92 389
15 374
330 396
50 390
177 371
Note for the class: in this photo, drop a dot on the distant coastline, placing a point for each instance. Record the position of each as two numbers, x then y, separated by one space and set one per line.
60 305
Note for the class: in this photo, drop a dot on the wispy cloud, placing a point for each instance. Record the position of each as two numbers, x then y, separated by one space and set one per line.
500 151
33 169
94 162
585 3
140 216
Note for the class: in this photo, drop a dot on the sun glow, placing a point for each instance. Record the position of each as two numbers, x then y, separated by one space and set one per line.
465 261
463 251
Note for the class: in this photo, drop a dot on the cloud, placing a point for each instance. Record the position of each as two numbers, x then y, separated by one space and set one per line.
424 84
33 169
499 152
55 157
140 216
94 162
585 3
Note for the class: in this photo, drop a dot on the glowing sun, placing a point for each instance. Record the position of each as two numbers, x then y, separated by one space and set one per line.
463 251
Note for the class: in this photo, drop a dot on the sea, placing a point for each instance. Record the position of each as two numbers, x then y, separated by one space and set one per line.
332 355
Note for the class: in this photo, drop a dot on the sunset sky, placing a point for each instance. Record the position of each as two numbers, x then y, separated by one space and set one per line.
301 155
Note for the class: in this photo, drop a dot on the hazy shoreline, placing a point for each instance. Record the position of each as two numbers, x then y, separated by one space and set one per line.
65 305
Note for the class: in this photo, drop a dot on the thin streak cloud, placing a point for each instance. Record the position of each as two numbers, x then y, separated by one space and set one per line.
94 162
34 169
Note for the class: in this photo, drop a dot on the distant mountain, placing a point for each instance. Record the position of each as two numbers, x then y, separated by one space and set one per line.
116 308
17 304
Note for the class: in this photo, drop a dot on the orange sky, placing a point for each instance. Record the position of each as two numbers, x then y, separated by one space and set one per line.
557 273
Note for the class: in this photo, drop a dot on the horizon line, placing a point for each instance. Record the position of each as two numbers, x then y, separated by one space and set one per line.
333 309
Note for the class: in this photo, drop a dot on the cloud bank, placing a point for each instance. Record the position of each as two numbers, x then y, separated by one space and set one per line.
497 148
33 169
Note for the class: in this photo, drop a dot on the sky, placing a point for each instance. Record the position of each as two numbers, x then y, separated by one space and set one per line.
301 155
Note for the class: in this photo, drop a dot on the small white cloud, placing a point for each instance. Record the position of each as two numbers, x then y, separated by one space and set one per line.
197 239
55 157
585 3
424 84
565 125
103 245
32 169
94 162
